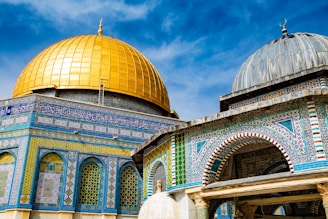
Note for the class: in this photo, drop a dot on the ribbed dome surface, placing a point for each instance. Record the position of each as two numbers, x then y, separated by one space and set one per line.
85 62
282 57
159 206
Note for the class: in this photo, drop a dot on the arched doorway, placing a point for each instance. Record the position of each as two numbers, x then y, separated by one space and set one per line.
261 166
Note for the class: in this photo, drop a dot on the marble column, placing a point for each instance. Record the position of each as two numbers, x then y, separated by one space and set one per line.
323 190
201 206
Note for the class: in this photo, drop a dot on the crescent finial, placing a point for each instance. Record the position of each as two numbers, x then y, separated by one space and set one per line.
282 24
100 31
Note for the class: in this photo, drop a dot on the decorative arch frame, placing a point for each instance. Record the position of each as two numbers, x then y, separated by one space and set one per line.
227 152
37 175
101 164
10 152
152 172
121 168
45 153
8 184
84 158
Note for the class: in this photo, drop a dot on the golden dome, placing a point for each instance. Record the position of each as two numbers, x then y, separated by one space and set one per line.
86 62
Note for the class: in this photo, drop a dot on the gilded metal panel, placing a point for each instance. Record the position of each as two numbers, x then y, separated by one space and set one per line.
83 62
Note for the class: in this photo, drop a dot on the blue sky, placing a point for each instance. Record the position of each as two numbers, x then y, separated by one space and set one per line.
197 46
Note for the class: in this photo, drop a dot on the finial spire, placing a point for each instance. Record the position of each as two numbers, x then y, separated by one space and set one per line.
282 24
100 31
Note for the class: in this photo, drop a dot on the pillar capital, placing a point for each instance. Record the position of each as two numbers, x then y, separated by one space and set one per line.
200 202
323 190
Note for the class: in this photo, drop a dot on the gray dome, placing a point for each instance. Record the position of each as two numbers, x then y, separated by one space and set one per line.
282 57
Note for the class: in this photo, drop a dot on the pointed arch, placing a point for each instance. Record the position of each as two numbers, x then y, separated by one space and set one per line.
7 165
48 191
129 189
90 188
157 172
222 153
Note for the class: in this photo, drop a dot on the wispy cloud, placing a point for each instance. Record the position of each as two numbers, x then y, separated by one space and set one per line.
62 11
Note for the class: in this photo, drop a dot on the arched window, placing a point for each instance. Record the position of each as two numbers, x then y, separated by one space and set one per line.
90 186
159 175
6 173
129 190
50 179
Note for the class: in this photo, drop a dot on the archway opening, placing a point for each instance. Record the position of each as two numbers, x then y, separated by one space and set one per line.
261 158
255 163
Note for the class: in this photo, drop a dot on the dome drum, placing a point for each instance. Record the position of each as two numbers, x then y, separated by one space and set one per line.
280 85
111 99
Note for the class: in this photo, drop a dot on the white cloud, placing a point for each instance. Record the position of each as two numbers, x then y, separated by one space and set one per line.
62 11
169 51
187 77
168 22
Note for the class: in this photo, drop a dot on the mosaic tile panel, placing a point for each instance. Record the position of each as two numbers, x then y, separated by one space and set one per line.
48 189
70 179
173 160
322 113
200 147
315 83
15 109
129 200
12 142
79 145
180 160
7 163
111 188
49 184
19 171
259 162
320 153
90 184
159 174
150 158
99 117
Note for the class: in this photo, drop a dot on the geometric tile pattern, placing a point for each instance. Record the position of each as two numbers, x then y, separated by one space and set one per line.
173 160
47 191
288 124
180 160
58 142
6 176
111 189
157 172
219 133
128 188
314 83
151 159
49 184
224 151
320 153
90 184
115 119
15 196
70 179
